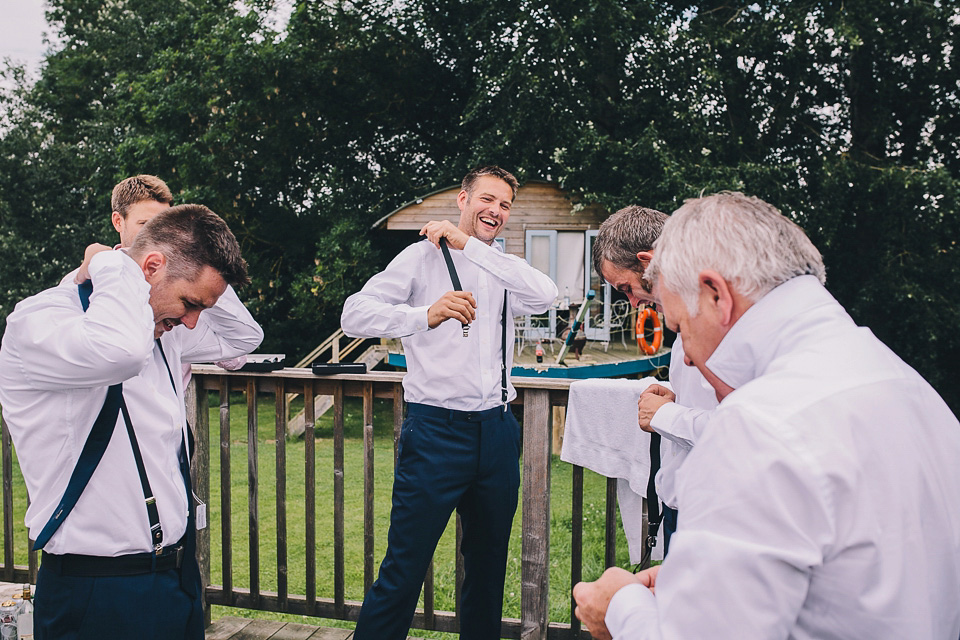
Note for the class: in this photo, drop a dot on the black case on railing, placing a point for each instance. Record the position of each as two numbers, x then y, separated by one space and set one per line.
331 368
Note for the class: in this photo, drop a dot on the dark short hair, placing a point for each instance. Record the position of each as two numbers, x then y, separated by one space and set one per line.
470 179
137 189
624 234
191 236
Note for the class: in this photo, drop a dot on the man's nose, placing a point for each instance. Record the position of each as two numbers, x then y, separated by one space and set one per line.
634 300
190 318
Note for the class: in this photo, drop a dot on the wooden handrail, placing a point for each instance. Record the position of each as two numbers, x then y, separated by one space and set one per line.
537 396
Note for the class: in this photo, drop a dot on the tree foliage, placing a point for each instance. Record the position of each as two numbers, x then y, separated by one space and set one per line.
845 115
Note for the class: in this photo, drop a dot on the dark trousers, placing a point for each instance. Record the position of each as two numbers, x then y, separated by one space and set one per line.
669 527
448 460
149 606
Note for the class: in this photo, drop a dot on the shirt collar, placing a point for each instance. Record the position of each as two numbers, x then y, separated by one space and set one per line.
780 319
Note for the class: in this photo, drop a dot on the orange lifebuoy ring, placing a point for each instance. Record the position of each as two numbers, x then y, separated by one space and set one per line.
653 346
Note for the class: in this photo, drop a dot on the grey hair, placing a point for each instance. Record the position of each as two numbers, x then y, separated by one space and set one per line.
624 234
744 239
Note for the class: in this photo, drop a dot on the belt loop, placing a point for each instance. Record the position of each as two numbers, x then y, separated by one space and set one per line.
153 560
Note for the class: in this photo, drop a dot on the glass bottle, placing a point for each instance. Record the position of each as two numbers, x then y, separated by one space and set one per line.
25 616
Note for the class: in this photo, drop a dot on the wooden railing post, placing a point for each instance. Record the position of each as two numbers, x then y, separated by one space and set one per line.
368 516
535 553
226 502
253 492
199 411
281 466
7 455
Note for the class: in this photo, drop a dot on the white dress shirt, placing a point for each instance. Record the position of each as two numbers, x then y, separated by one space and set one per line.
680 423
822 500
444 369
55 365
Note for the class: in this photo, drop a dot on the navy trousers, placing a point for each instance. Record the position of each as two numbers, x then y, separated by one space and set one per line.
669 527
163 605
448 460
151 606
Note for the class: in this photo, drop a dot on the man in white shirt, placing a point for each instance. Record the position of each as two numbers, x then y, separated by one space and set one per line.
134 201
460 445
115 563
821 502
621 253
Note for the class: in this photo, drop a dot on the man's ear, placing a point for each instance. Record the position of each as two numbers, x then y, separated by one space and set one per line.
117 221
154 265
715 292
462 199
644 258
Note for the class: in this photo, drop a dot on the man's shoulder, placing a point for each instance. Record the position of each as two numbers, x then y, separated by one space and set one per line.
63 295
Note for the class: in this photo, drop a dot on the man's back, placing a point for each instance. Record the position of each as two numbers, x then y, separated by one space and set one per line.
848 458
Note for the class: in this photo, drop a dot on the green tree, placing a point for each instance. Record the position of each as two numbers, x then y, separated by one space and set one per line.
843 114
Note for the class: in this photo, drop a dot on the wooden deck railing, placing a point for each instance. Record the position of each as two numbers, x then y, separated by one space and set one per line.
537 396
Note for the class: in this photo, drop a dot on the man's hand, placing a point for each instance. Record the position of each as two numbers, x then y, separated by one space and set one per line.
648 578
83 274
436 229
652 398
593 598
454 305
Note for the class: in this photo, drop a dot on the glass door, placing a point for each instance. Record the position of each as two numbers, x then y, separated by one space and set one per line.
541 253
597 321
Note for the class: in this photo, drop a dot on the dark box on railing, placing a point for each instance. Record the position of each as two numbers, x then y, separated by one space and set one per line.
331 368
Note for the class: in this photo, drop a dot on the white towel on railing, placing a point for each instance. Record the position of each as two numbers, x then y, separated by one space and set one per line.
601 434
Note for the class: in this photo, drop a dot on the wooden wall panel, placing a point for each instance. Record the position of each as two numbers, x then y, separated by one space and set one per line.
539 205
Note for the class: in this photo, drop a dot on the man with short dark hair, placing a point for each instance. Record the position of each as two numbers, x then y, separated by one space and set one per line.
460 445
821 502
621 253
88 391
135 201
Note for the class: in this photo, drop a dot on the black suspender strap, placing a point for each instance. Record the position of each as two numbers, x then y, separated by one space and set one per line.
92 453
653 500
503 353
156 532
455 279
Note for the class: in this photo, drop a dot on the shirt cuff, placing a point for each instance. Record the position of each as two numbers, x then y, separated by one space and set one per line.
632 608
416 320
667 421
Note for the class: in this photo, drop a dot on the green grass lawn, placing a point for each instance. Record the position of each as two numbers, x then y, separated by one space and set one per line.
444 567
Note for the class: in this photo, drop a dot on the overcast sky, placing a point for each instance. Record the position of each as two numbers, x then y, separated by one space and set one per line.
21 31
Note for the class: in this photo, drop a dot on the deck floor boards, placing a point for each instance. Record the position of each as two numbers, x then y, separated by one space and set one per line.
234 628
